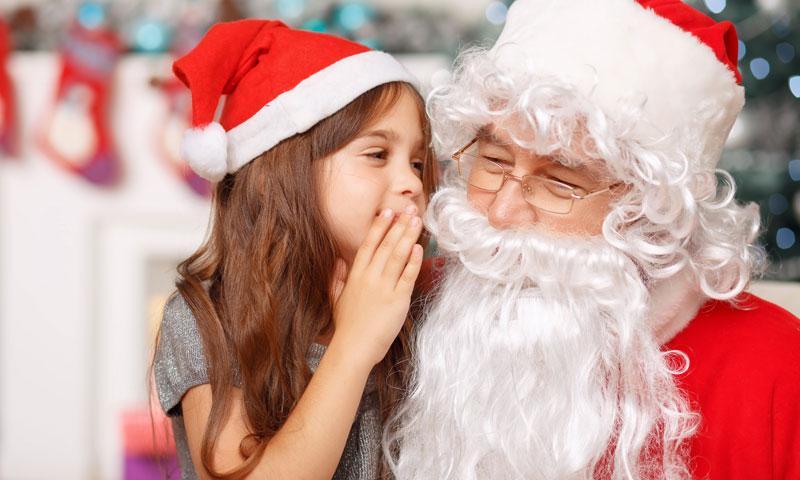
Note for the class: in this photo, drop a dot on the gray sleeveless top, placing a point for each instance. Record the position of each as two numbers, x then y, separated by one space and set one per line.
180 365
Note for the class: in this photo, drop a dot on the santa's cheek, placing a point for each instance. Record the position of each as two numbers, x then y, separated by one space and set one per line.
480 201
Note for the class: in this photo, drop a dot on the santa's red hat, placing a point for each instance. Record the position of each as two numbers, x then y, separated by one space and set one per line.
277 81
676 63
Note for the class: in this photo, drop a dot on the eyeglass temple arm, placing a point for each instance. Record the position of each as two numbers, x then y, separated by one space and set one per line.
464 148
579 197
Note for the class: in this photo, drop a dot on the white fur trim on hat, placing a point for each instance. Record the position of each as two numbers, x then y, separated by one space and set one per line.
206 150
674 302
625 57
315 98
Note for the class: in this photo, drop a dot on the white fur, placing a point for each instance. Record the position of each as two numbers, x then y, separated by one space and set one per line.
674 302
316 97
618 54
206 150
674 214
534 361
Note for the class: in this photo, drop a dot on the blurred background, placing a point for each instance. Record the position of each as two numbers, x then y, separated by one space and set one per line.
97 209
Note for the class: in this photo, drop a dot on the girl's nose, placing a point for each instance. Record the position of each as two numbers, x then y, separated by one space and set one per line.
409 183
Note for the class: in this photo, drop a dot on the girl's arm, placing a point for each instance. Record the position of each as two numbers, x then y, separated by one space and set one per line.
370 310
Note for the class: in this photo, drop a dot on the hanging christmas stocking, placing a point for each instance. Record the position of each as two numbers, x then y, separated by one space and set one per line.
8 119
76 134
178 119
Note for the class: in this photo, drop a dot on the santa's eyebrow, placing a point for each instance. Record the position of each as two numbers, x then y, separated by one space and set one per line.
591 171
558 167
487 135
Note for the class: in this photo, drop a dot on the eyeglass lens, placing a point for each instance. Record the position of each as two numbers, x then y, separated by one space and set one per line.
485 174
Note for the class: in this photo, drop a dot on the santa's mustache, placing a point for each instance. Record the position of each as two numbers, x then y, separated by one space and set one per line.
550 261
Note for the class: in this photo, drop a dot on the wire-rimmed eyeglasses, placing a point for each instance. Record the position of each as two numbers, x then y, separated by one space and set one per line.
541 192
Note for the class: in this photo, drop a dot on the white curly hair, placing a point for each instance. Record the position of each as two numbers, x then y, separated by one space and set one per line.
677 213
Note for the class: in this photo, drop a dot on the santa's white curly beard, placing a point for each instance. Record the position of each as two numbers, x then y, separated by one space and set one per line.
535 361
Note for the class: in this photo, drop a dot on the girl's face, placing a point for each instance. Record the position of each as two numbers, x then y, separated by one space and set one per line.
381 168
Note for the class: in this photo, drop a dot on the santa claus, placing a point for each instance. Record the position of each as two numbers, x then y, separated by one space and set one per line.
589 320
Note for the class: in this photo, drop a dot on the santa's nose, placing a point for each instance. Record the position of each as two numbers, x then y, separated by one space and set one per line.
509 209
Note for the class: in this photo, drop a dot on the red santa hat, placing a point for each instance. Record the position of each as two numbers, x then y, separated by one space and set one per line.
278 82
679 62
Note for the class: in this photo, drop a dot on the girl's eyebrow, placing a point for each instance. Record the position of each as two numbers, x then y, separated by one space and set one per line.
388 135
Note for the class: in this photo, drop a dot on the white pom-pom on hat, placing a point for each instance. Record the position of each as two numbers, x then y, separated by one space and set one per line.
206 150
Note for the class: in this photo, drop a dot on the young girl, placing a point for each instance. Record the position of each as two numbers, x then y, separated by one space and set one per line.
323 162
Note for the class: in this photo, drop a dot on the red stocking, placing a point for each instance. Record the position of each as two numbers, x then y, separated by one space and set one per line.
8 120
178 119
76 134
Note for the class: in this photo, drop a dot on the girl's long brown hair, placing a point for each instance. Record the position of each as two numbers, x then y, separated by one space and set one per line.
258 286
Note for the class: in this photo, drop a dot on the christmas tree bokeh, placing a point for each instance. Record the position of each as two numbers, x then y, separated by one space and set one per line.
763 152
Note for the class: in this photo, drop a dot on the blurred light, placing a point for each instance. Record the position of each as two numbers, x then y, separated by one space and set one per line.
371 43
785 51
496 13
716 6
151 36
794 85
352 16
778 203
782 27
794 169
759 67
290 8
772 5
742 49
784 238
315 25
91 15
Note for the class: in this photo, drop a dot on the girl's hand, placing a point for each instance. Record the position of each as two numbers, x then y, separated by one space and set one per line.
370 307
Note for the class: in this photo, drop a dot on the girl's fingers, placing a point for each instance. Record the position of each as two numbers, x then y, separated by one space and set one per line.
387 246
400 254
375 235
405 283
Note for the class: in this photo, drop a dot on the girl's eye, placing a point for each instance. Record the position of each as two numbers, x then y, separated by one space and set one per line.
379 154
418 165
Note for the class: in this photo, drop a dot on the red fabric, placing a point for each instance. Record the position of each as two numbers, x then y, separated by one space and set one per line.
744 379
8 119
430 274
720 37
253 61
